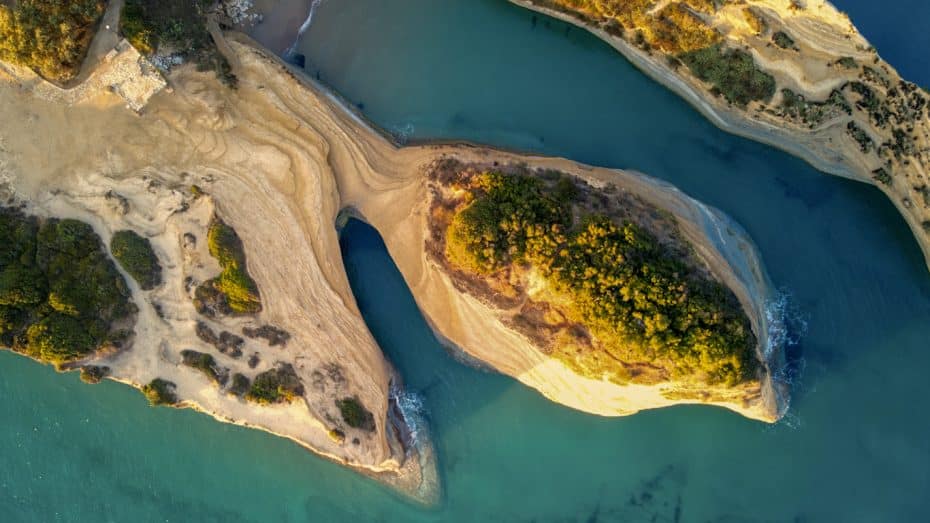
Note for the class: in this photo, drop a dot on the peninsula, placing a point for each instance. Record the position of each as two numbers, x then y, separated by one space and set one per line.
180 236
795 74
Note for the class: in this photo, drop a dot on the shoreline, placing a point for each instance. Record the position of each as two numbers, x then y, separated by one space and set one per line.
733 122
777 395
338 156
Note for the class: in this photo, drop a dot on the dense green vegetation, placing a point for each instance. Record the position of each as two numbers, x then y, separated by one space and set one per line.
234 290
178 26
160 392
278 385
49 36
640 302
355 414
732 73
61 297
134 253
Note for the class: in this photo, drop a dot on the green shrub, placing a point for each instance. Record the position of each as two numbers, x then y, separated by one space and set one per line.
135 255
848 62
732 73
278 385
355 414
160 392
882 176
202 362
240 384
93 373
781 39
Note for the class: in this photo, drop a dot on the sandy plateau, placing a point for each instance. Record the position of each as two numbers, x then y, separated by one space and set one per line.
278 159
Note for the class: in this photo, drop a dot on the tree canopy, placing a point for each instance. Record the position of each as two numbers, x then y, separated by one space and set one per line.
49 36
60 295
638 300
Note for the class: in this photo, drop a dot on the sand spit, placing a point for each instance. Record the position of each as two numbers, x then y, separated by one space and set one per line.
277 159
823 37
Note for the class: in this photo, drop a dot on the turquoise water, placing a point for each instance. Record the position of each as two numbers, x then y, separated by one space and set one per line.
854 447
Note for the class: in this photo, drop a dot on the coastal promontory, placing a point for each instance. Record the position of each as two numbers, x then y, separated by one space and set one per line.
183 240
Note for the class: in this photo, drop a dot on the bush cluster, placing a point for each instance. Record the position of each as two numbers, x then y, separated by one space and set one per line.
134 253
278 385
60 295
640 302
355 414
160 392
205 364
732 73
233 290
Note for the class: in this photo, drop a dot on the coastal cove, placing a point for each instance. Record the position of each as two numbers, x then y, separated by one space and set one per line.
854 292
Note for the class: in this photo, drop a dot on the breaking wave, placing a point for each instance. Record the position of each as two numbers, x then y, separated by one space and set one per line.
787 326
412 407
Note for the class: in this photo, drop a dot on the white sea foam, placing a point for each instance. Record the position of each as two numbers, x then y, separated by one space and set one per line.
413 409
402 133
786 327
303 28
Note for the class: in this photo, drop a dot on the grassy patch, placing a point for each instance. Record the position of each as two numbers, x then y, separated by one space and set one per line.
51 37
160 392
178 26
61 297
355 414
731 73
233 291
134 253
278 385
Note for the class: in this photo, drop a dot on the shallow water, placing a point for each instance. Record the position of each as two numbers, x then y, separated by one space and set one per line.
853 448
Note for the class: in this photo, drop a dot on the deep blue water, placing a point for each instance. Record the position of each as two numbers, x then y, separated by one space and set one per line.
854 447
898 29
